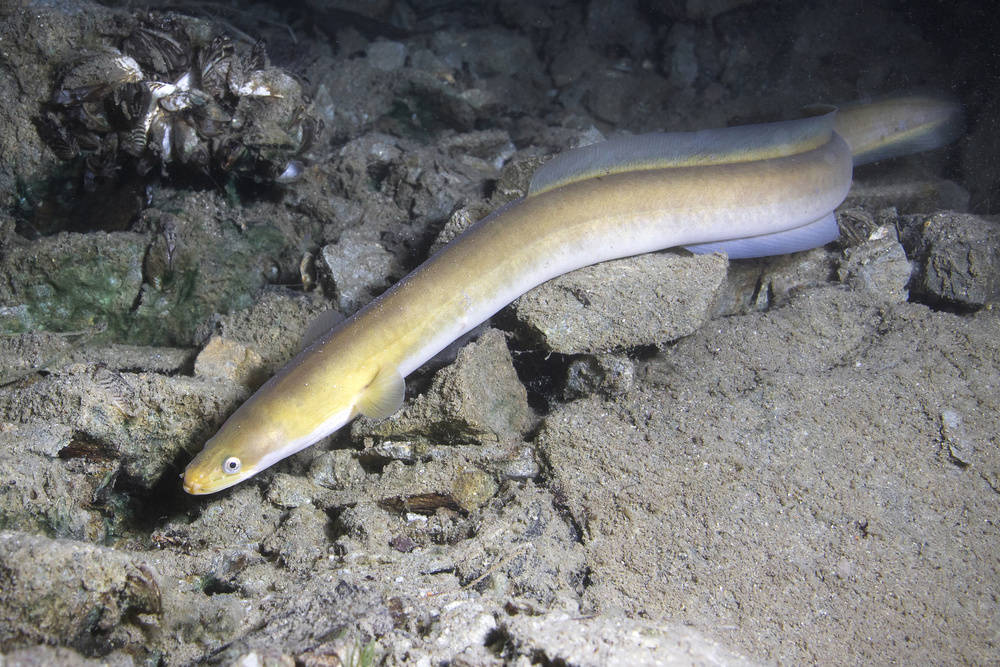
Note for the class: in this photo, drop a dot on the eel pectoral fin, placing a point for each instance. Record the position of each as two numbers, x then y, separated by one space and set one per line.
811 235
383 395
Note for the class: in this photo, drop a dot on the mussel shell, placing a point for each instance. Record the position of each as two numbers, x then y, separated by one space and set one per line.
211 120
129 103
258 56
229 153
134 141
57 136
292 171
160 139
178 101
187 147
162 49
89 141
93 117
98 168
66 97
106 68
215 62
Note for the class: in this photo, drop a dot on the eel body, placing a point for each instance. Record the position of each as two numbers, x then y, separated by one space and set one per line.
749 191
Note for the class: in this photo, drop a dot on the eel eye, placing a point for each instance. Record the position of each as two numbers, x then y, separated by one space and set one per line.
231 465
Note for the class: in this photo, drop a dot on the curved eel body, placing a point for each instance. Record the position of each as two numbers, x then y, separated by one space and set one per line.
749 191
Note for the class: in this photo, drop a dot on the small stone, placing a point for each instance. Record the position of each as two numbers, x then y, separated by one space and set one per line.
402 544
301 539
682 63
288 491
355 269
521 466
960 449
398 450
960 259
879 266
386 56
472 488
338 469
609 374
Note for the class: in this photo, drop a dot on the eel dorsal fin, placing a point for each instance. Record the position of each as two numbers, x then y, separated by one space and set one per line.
323 322
662 150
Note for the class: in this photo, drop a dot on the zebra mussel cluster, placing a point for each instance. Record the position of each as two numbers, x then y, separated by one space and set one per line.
172 97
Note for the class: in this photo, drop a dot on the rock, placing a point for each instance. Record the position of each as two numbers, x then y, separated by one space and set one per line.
336 469
519 464
826 402
483 153
489 53
785 276
25 354
163 360
155 287
44 656
289 491
959 261
355 94
608 374
274 327
651 299
759 284
477 399
142 420
525 548
681 61
515 176
386 56
206 257
356 269
224 359
612 98
461 635
573 63
54 485
620 26
71 282
744 290
227 521
87 597
458 222
879 265
960 448
301 539
615 641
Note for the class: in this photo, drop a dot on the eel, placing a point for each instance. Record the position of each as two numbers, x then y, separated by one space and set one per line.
748 191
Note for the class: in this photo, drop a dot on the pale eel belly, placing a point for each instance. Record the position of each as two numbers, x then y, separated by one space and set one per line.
748 191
